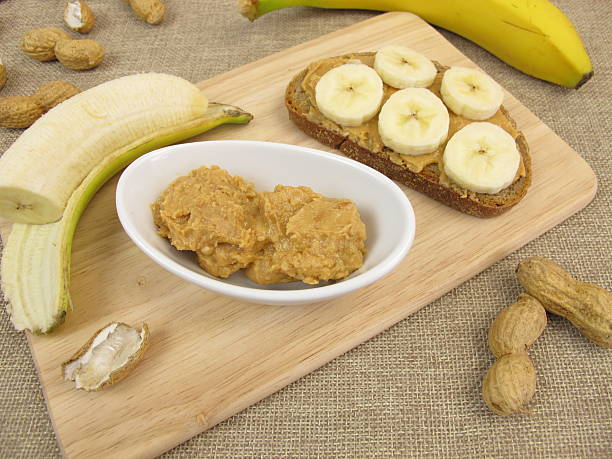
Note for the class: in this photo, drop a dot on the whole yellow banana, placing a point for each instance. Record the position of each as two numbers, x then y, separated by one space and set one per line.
533 36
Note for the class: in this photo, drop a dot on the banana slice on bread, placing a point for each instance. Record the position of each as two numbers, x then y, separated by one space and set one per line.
413 121
402 67
350 94
471 93
482 157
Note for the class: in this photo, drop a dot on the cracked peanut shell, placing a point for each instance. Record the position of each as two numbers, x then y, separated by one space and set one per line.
79 16
107 357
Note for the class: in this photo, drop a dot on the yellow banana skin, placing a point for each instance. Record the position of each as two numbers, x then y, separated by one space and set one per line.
533 36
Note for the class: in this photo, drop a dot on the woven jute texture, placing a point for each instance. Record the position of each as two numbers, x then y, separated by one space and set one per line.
414 390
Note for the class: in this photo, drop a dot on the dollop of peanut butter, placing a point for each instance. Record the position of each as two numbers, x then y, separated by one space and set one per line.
289 234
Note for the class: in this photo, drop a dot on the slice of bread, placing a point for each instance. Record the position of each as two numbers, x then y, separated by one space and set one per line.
363 144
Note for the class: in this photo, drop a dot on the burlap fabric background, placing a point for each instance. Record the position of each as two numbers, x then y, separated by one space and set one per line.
414 390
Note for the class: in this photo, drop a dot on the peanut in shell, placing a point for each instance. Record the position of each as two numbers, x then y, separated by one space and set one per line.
40 44
587 306
18 112
151 11
517 327
53 93
79 54
510 384
2 75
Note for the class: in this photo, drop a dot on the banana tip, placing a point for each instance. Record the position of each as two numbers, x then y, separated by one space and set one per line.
586 77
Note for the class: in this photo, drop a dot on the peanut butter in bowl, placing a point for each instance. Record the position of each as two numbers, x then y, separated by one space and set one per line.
289 234
332 227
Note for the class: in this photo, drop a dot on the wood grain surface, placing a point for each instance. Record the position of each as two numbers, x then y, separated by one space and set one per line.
211 356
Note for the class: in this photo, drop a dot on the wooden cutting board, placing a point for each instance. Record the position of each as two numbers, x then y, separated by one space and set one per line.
210 356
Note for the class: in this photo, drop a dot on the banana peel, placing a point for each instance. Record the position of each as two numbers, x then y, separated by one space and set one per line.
35 266
532 36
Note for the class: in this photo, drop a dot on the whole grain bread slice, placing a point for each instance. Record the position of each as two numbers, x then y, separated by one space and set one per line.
303 112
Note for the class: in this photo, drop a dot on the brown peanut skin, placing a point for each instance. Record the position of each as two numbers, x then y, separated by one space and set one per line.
39 44
510 384
152 11
53 93
517 327
587 306
18 112
79 54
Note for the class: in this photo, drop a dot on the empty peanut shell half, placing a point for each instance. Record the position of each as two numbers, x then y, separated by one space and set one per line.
108 356
79 16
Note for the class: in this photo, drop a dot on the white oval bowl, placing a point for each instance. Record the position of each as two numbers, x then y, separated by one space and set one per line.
383 206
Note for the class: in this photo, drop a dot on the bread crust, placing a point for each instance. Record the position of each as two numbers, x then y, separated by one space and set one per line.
426 181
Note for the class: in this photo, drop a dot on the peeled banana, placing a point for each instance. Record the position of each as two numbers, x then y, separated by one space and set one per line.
35 267
533 36
63 146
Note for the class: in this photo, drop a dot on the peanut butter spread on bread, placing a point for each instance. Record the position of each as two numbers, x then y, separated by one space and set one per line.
286 235
367 133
